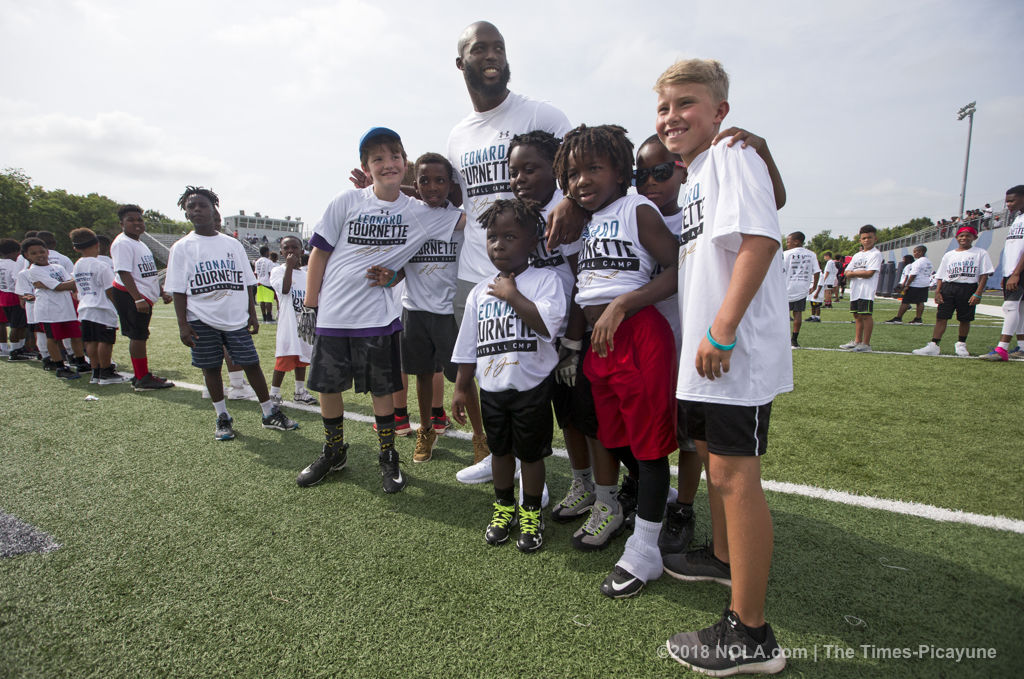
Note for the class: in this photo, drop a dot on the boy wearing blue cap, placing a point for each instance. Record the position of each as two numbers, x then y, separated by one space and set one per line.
368 233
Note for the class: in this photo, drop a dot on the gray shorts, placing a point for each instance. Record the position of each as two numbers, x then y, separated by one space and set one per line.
370 364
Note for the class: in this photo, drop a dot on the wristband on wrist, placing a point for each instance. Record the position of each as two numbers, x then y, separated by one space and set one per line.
391 282
575 345
717 345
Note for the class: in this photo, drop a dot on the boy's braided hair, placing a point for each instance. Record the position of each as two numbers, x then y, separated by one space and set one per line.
545 142
609 141
198 191
527 214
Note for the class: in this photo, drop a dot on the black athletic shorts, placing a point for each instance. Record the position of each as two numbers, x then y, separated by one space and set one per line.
915 295
728 429
134 324
16 317
371 364
862 306
518 422
428 340
1014 296
97 332
798 305
957 296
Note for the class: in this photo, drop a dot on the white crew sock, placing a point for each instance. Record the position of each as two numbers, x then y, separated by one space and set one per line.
221 407
267 407
300 386
642 558
275 391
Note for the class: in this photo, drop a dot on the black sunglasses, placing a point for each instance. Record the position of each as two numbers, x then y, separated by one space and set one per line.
660 172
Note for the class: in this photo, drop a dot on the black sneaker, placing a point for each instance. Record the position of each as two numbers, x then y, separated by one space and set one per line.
503 521
621 584
278 420
391 476
66 373
698 565
81 366
329 461
793 343
50 365
895 320
627 499
531 530
677 530
726 648
916 321
149 382
224 431
110 376
19 355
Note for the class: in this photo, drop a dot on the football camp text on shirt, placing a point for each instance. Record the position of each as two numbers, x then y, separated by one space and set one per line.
486 169
216 274
603 250
501 331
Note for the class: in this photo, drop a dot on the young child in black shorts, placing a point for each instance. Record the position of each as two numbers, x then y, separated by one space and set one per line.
507 342
96 312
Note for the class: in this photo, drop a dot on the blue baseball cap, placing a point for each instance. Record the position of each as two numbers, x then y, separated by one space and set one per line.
377 132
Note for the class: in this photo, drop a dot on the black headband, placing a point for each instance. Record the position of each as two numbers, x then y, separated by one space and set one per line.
85 243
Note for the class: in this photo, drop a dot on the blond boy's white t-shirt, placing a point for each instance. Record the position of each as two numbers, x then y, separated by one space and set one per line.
728 194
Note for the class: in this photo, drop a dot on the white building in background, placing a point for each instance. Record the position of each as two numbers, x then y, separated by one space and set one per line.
258 226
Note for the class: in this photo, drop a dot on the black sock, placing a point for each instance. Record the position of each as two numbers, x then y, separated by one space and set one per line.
531 502
963 338
402 412
758 634
386 431
505 496
334 432
936 341
437 412
795 334
653 481
96 373
624 455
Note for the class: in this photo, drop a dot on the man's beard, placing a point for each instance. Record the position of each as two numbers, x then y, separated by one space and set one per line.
475 82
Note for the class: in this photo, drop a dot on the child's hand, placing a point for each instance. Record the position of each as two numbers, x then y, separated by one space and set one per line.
712 362
1012 282
459 407
188 335
739 134
938 297
379 276
293 261
503 287
602 341
28 298
360 179
254 323
166 297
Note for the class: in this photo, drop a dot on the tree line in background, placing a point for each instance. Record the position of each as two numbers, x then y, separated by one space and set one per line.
27 207
24 207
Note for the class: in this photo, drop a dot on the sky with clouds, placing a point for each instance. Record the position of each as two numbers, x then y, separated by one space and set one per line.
266 101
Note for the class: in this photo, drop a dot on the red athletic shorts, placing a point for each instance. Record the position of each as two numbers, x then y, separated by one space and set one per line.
634 387
63 330
286 364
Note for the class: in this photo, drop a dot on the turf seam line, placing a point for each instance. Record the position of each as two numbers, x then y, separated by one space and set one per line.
829 495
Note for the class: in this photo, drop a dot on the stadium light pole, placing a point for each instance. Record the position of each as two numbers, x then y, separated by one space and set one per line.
966 112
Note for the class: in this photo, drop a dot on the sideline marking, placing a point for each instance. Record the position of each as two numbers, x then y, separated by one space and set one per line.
895 506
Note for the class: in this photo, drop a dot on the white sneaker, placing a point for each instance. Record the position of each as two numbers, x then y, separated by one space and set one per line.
862 347
476 473
961 350
240 393
544 498
849 346
930 349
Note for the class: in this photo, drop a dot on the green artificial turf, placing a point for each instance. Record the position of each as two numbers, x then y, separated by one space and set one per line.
183 556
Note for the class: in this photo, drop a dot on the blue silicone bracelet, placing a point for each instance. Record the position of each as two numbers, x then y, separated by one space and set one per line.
716 345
